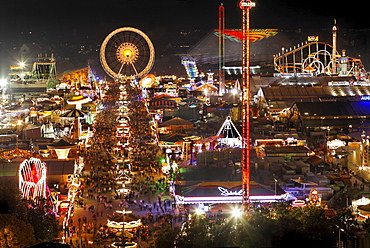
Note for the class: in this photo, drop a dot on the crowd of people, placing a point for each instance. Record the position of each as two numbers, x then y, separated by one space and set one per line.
141 153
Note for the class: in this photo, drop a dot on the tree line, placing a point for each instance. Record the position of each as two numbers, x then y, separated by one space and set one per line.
24 223
279 225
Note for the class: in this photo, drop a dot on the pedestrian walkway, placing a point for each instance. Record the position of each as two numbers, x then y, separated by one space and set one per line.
93 213
101 191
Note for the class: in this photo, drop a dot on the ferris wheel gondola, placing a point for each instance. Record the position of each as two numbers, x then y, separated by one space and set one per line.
127 53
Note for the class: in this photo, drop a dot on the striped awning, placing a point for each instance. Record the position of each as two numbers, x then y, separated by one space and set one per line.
74 113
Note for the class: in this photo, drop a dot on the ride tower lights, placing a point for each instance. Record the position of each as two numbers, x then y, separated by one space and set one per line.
334 53
221 48
245 6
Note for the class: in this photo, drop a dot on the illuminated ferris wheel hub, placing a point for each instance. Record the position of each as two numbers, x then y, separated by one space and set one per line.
127 53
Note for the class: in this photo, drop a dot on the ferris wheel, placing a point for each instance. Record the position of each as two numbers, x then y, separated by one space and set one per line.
126 53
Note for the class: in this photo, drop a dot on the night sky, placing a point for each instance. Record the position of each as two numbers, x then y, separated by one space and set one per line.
102 16
51 21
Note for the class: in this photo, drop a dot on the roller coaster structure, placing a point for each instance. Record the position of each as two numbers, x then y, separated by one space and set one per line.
317 58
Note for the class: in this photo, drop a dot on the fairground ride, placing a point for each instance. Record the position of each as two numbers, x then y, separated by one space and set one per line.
190 67
32 179
314 58
43 71
127 53
233 35
253 34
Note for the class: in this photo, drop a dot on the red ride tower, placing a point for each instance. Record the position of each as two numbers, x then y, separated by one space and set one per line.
245 6
221 48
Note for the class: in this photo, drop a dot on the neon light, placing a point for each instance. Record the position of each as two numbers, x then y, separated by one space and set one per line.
248 4
127 224
365 98
253 35
226 192
191 67
299 203
227 199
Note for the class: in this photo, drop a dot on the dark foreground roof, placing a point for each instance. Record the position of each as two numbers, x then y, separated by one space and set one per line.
50 244
333 108
313 93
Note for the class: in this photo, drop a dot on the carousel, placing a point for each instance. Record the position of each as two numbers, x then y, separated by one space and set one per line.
362 206
364 210
128 223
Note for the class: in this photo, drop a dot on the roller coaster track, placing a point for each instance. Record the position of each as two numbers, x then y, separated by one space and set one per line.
301 48
314 57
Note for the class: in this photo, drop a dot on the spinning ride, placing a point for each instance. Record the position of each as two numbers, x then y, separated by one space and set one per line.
253 34
32 178
127 53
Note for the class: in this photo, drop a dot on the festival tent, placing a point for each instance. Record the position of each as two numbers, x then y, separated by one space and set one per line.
176 121
62 147
173 137
192 100
206 87
162 103
175 124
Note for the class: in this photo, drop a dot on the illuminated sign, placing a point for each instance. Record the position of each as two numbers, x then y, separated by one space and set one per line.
313 38
226 192
365 98
247 4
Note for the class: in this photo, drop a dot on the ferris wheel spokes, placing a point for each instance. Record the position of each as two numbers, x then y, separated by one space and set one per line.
134 68
120 70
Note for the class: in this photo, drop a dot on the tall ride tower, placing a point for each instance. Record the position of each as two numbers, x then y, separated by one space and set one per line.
245 6
334 53
221 48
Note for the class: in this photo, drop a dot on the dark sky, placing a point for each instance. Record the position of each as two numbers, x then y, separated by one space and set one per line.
100 17
75 20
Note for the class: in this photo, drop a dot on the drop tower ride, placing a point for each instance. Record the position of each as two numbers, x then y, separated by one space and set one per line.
245 6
